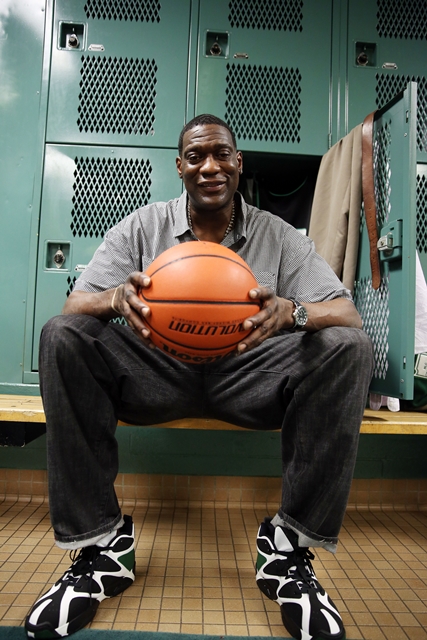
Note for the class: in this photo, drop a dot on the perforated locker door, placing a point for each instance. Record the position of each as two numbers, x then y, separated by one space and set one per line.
393 36
421 230
87 190
265 68
118 72
387 48
388 313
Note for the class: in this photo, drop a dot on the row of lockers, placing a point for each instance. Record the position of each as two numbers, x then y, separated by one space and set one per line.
96 92
272 69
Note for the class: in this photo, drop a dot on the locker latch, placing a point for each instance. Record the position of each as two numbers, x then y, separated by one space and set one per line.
217 44
390 243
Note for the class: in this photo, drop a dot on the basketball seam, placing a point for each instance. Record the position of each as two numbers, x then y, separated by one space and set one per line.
202 255
233 303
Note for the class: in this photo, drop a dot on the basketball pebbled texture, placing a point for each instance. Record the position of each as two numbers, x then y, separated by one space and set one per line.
199 298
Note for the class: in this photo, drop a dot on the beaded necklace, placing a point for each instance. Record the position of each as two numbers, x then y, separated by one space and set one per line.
229 227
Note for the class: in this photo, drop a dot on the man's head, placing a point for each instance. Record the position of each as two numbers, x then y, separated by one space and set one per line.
209 162
204 118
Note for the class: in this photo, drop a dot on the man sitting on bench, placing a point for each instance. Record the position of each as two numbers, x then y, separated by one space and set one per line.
305 368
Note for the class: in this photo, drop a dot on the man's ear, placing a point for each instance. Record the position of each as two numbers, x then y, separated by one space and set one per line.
239 156
178 166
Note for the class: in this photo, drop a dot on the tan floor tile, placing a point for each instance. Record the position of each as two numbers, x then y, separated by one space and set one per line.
105 615
169 627
168 616
255 630
148 615
194 577
214 629
192 628
126 615
192 617
237 630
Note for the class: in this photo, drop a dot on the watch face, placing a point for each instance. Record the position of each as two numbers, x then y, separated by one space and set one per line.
300 315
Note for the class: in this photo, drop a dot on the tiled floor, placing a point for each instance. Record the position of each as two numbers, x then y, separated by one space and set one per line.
195 570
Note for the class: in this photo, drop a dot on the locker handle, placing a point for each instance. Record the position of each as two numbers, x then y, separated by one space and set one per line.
390 243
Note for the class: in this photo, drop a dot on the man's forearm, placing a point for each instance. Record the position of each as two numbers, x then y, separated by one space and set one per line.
339 312
93 304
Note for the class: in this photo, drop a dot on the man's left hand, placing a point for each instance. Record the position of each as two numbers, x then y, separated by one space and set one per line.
275 314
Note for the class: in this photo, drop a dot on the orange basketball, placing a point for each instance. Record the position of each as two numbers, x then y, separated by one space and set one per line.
199 298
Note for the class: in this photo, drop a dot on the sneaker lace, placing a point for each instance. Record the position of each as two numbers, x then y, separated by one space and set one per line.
83 565
301 570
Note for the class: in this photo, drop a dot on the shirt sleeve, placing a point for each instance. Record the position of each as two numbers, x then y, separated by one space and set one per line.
111 264
304 275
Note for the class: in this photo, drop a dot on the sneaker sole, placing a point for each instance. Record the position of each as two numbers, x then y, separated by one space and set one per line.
45 631
270 591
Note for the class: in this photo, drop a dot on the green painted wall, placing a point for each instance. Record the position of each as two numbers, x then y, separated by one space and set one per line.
232 453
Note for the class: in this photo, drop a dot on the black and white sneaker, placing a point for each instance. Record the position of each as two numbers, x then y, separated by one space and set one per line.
96 573
284 574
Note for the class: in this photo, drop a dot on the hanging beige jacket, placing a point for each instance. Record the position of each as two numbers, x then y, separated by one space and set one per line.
335 215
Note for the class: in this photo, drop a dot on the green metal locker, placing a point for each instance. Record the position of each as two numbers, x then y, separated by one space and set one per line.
117 99
22 25
87 190
387 48
265 68
118 72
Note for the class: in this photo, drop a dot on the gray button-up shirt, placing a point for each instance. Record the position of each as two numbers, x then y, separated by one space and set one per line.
280 256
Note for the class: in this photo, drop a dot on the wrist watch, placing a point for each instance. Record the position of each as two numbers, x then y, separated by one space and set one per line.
299 315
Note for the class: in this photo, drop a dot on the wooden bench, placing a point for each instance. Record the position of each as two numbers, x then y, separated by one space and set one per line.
22 419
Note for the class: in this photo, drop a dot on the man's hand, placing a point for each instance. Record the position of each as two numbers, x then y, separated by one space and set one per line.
126 303
276 314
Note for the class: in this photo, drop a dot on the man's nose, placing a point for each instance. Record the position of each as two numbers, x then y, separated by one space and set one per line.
210 164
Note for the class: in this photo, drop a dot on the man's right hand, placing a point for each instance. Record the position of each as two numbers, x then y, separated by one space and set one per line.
126 304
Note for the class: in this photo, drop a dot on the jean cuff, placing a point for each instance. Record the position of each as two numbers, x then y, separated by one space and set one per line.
306 538
88 539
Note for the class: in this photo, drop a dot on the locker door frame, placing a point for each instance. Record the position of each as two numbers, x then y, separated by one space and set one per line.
389 312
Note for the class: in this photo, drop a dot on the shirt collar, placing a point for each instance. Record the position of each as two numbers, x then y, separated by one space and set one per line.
239 231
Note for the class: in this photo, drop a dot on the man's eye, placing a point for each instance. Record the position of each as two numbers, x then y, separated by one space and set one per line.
193 159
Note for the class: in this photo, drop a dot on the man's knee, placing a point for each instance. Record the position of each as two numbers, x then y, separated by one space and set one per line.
58 326
351 347
62 334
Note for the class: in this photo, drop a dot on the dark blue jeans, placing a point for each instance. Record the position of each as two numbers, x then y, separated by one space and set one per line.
92 373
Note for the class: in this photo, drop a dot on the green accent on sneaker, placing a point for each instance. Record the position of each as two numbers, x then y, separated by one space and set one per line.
128 560
260 561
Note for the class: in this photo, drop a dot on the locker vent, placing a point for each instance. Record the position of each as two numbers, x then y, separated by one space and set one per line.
138 10
71 282
263 103
117 95
283 15
388 86
382 173
373 306
421 237
105 191
405 19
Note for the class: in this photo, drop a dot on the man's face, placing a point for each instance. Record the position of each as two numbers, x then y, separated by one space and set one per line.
209 166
